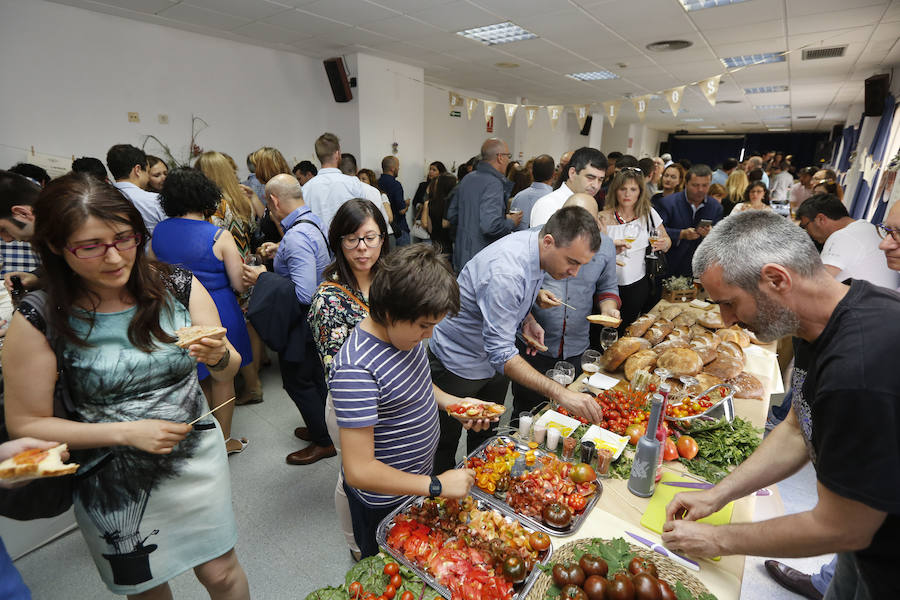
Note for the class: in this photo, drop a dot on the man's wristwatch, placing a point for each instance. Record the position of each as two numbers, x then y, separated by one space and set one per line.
434 489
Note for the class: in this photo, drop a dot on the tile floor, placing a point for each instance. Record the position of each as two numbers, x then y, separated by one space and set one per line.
289 540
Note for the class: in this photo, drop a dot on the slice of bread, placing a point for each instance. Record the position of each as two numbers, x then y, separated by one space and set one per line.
195 333
533 342
604 320
36 463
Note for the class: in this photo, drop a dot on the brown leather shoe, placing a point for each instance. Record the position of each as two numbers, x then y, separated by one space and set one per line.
792 579
303 434
310 454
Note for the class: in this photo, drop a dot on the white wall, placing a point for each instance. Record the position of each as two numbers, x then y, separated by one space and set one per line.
615 139
391 109
543 139
71 76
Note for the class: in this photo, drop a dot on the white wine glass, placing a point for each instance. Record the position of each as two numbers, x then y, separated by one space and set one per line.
608 337
631 232
654 237
567 369
590 362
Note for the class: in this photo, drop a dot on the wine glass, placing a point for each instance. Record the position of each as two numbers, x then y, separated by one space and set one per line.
590 362
608 337
567 369
632 231
654 237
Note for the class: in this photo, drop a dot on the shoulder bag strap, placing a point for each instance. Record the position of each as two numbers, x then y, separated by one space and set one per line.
313 223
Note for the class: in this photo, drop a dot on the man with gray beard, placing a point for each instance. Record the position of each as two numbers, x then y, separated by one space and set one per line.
766 274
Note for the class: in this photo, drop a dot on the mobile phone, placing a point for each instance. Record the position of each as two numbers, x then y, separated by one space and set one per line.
704 223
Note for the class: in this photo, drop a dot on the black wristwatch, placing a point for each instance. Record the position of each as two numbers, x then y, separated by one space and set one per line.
434 489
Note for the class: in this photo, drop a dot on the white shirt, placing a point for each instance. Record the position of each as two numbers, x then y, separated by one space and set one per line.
147 203
854 250
329 189
545 206
780 186
635 268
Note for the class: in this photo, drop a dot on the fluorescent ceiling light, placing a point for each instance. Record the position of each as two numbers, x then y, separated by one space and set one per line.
501 33
592 75
772 106
707 127
690 5
766 89
779 128
692 120
668 111
753 59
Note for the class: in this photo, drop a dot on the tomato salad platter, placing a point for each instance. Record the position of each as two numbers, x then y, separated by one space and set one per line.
466 549
550 494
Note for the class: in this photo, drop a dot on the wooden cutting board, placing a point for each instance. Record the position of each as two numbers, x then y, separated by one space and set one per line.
655 515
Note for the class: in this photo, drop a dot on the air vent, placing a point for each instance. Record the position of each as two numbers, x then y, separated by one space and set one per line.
831 52
807 117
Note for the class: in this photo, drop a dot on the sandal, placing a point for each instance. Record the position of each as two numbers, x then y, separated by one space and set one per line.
243 441
254 397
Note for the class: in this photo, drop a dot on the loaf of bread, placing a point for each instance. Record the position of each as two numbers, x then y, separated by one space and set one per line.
706 352
659 331
680 362
746 386
640 325
704 336
642 359
736 335
621 350
687 318
604 320
671 342
707 381
724 367
731 350
670 312
711 320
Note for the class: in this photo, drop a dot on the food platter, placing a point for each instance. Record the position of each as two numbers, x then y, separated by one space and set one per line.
719 414
385 528
534 522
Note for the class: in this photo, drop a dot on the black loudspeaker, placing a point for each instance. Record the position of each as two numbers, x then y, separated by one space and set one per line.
586 130
837 132
337 77
876 92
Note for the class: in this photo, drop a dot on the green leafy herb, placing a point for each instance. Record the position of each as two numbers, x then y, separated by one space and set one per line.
553 592
370 573
704 469
621 468
728 445
329 593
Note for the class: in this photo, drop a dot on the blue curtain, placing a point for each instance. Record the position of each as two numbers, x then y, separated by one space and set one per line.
877 148
843 162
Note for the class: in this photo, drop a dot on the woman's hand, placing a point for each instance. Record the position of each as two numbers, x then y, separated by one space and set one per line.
621 246
208 351
154 435
250 273
456 483
475 424
267 250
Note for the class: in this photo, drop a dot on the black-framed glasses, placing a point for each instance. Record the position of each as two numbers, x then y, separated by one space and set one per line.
506 154
373 240
884 230
100 249
634 169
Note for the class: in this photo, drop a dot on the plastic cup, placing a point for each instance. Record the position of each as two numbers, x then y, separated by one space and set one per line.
552 438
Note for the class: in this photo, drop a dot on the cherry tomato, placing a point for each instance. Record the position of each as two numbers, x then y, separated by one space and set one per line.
391 569
355 589
407 595
389 592
687 447
396 581
382 597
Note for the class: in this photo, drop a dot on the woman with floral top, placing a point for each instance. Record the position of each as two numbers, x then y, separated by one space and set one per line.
357 238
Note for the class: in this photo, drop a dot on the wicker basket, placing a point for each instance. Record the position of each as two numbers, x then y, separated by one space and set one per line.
668 570
679 295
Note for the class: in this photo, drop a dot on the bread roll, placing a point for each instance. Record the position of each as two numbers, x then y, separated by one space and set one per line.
731 350
711 320
659 331
738 336
622 349
680 361
642 359
687 318
706 352
746 386
707 381
641 325
724 367
670 312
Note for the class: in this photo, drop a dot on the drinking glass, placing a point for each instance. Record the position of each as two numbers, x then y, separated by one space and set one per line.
608 337
567 369
590 362
632 231
654 237
556 375
253 260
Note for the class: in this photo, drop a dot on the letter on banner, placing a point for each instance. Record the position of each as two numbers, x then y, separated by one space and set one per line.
611 109
456 101
710 88
555 112
581 113
530 114
675 96
640 105
471 103
488 110
510 110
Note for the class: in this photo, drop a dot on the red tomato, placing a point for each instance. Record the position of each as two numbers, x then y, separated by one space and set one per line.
389 592
355 589
391 569
407 596
396 581
576 502
634 433
687 447
671 451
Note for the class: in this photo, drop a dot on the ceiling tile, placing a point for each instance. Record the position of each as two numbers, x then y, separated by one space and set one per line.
264 31
201 16
403 27
797 8
736 16
850 17
352 12
509 9
245 9
142 6
410 6
305 23
455 16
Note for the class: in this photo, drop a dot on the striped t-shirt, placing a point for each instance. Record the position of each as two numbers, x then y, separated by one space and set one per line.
373 384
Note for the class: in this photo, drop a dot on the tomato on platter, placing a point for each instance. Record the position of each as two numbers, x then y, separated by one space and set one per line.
391 569
355 589
576 502
582 472
539 540
396 581
687 447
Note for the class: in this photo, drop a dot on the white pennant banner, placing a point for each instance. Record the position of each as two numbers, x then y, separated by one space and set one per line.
611 110
675 96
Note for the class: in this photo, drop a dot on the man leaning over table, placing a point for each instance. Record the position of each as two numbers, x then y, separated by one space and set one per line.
474 352
765 273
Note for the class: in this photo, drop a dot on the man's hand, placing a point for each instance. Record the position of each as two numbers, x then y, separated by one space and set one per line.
250 274
475 424
546 299
535 332
515 217
692 506
456 483
611 312
703 230
29 280
267 250
687 537
582 405
689 234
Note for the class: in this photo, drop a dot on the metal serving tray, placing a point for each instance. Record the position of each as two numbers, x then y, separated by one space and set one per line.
577 520
718 415
520 590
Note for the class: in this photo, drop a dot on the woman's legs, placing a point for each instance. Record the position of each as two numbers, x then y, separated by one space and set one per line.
341 505
250 372
218 392
224 578
160 592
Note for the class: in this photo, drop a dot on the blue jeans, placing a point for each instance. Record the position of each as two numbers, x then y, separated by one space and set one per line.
403 239
11 585
847 583
821 579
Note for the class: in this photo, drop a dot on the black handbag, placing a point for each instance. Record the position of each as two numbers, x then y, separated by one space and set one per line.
658 265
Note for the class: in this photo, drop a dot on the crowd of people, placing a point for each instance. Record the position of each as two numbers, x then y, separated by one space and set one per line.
344 277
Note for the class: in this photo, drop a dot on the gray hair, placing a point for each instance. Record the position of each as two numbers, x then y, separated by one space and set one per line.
698 170
491 148
745 242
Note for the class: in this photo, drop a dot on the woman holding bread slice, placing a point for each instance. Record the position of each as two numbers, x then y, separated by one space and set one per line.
160 504
628 214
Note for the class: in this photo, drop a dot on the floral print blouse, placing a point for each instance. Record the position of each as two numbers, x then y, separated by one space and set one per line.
333 314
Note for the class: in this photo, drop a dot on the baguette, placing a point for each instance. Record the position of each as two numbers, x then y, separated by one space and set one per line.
659 331
604 320
641 325
35 463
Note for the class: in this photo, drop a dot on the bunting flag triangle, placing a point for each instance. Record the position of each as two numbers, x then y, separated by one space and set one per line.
640 105
555 112
611 110
530 114
510 110
710 88
675 95
581 113
488 110
471 103
456 101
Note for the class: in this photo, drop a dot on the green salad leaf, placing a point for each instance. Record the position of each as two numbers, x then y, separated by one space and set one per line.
328 593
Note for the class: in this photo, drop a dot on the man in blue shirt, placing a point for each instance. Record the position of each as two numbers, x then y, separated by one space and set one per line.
390 167
473 353
721 174
301 256
542 171
478 206
683 212
128 166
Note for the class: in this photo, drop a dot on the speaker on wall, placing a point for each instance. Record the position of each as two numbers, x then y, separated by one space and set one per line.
876 92
586 130
836 132
337 77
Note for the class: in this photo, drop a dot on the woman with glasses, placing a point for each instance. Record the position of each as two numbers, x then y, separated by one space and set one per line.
188 240
356 239
159 502
756 197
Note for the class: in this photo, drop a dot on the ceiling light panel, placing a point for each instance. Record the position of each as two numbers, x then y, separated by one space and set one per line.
501 33
753 59
772 106
690 5
692 120
593 75
766 89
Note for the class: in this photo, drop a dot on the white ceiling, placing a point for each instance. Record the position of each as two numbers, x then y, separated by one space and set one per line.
580 35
